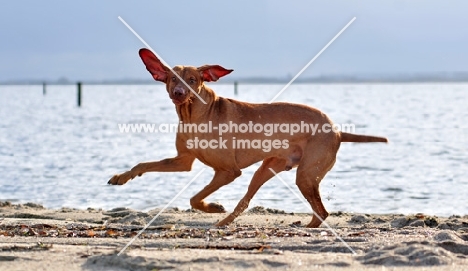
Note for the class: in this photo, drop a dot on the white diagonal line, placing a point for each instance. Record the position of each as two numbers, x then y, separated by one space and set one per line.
160 58
314 213
160 212
313 59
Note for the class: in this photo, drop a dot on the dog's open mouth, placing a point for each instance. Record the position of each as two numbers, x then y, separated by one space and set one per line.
177 101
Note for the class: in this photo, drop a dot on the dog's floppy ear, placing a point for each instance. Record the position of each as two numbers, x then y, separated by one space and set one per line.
211 73
154 65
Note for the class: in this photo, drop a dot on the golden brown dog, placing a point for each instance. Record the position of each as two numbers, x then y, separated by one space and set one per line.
313 154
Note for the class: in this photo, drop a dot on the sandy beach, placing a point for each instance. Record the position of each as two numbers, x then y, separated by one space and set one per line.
35 238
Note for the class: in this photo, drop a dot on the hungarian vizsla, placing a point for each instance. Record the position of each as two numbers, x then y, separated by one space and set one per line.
313 153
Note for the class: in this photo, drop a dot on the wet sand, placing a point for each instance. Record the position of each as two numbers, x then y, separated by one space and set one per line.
35 238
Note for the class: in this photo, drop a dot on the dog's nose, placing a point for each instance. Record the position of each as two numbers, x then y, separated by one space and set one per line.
178 91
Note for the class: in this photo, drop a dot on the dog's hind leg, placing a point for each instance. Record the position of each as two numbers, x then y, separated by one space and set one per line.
312 169
261 176
308 182
220 179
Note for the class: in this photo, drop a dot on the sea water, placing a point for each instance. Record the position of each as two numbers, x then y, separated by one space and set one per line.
60 155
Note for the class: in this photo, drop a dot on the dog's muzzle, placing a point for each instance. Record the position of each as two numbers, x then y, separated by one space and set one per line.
179 95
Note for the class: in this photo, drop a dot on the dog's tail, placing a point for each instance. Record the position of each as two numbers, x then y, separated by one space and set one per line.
347 137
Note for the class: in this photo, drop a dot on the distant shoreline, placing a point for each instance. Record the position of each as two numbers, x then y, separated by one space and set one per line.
429 78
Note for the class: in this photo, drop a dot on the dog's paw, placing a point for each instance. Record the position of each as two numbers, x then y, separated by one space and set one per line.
216 208
225 221
120 179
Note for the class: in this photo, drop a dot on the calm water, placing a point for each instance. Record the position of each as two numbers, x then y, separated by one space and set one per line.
52 152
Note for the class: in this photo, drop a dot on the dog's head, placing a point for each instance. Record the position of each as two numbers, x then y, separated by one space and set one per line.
193 76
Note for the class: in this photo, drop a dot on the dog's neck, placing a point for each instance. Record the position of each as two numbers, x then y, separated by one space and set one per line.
194 110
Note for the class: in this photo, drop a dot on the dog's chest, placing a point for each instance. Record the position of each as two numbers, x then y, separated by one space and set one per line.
210 149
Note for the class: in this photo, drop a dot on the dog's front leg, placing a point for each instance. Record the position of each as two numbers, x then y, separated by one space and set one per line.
178 163
261 176
221 178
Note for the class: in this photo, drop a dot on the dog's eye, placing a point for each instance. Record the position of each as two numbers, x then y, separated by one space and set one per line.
173 78
192 81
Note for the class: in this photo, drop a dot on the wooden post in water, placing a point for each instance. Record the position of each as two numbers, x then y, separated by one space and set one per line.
44 88
79 93
235 88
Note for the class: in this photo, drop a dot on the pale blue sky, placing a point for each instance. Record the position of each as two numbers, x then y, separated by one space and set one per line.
84 40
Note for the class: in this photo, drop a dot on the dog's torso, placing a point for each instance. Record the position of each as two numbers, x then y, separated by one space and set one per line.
243 147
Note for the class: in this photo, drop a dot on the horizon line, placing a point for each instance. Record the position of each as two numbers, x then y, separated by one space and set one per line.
384 78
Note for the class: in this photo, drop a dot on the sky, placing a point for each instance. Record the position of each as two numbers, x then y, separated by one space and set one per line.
85 40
